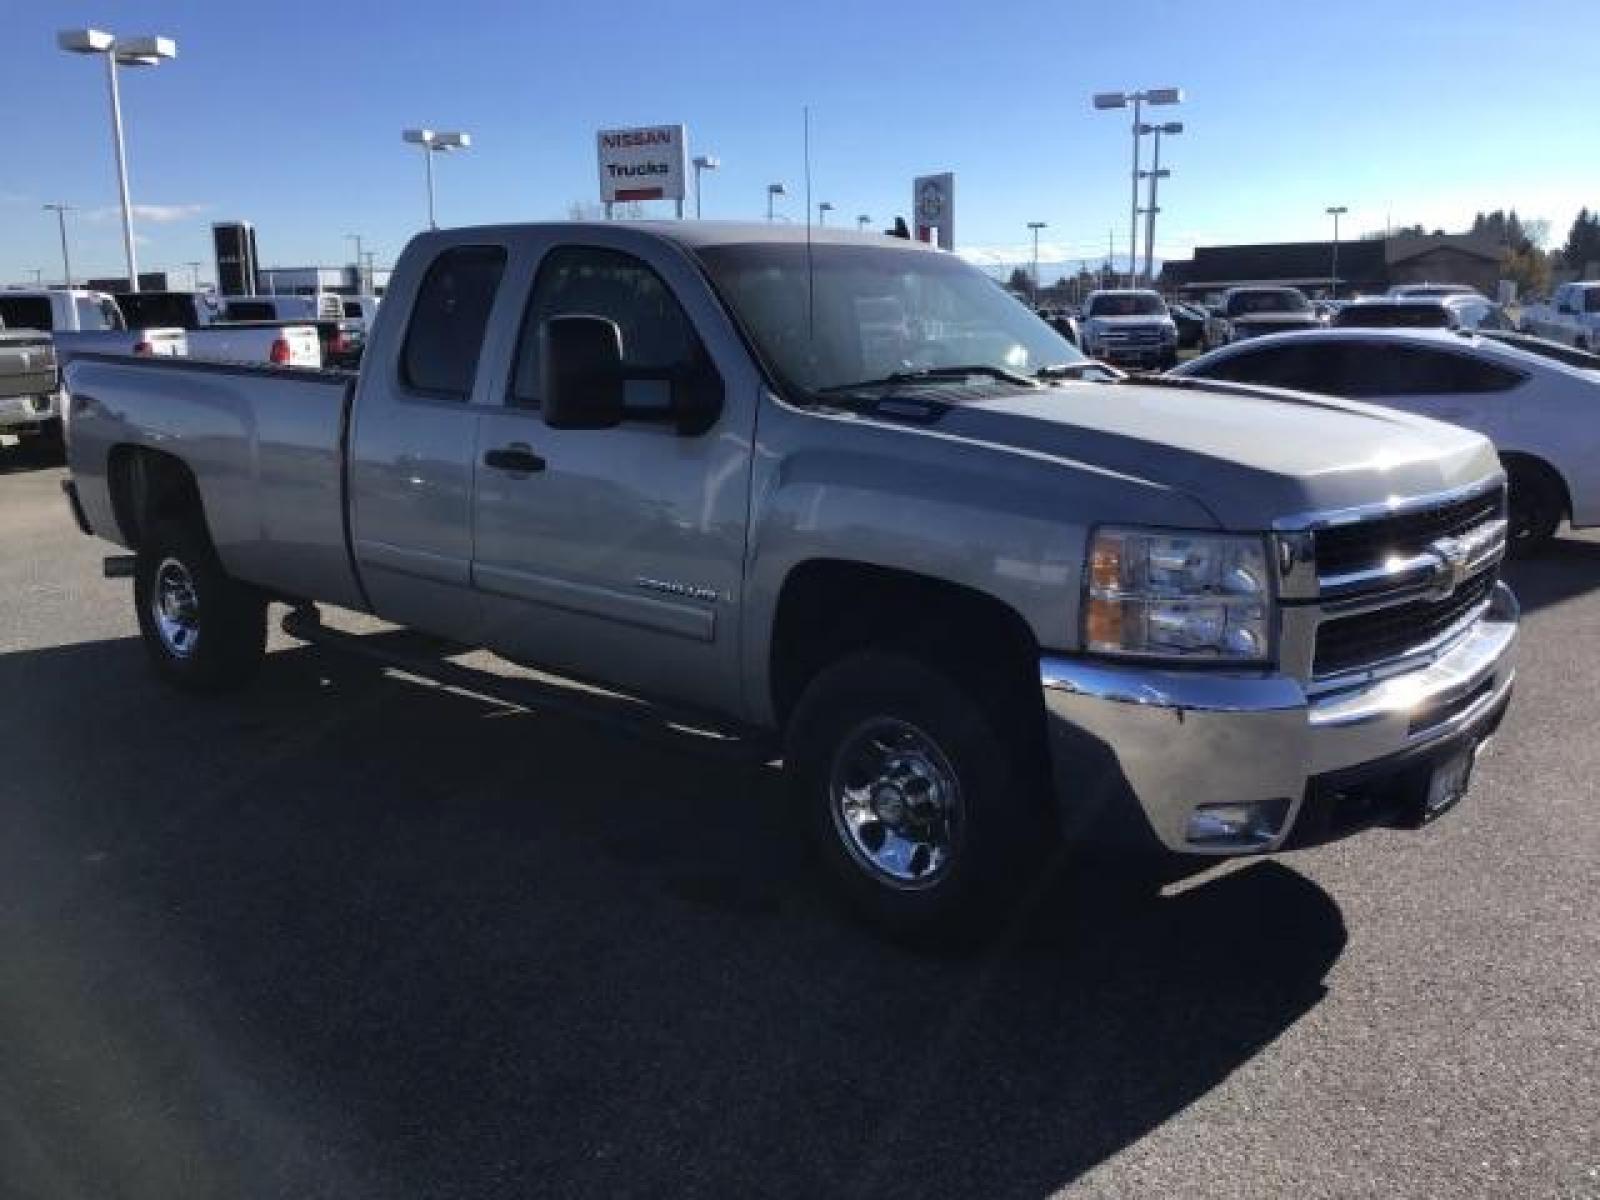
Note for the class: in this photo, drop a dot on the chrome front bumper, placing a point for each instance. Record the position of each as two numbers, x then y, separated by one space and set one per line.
1176 740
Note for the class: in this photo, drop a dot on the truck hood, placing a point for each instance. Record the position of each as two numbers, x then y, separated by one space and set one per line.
1251 456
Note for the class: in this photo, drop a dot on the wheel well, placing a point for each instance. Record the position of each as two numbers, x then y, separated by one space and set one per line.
147 486
831 608
1530 465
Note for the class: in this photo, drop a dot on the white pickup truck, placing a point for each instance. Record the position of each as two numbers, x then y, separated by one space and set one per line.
1571 318
84 322
210 335
29 384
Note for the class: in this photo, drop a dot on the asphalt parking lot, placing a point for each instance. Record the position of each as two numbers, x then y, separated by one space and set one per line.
353 935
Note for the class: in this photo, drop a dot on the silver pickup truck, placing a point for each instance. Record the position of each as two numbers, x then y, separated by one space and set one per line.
846 491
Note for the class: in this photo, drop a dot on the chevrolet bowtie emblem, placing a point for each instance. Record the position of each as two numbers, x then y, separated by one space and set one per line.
1450 573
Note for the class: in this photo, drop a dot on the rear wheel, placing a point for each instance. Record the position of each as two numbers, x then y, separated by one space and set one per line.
1536 504
203 631
926 815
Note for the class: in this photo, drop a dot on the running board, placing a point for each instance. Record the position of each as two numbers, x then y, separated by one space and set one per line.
619 713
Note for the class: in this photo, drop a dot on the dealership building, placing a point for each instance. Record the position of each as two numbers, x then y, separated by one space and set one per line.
1364 267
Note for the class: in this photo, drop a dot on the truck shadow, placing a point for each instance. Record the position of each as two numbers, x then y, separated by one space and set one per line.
1566 568
351 934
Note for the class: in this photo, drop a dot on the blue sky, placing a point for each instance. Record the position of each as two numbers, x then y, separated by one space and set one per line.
289 114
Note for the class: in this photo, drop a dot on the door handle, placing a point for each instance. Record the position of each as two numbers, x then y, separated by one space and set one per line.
518 458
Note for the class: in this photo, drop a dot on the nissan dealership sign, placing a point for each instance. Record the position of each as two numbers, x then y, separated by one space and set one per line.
649 163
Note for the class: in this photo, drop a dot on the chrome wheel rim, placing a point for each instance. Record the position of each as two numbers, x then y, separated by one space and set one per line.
175 608
896 803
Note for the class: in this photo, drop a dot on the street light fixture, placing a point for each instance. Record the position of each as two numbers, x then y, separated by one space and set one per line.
774 190
1105 100
432 143
1335 211
61 211
142 51
862 222
1155 175
194 274
823 210
1036 226
702 162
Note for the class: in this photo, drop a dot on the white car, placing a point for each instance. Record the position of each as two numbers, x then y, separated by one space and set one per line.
1572 317
1542 413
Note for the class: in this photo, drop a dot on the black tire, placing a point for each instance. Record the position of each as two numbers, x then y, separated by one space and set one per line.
211 633
1536 503
999 841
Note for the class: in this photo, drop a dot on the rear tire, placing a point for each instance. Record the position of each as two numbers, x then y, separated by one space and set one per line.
1536 505
924 804
204 632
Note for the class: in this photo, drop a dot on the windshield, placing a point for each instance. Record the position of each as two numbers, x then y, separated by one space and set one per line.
1393 316
25 312
1273 300
876 312
157 310
1127 304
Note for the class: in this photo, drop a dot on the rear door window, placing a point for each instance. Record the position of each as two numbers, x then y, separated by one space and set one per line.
449 320
1381 369
25 312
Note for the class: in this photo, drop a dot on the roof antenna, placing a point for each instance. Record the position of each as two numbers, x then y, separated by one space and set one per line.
811 314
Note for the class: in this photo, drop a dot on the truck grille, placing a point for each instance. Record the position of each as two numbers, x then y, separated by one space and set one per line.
1379 580
1347 548
1366 639
1148 336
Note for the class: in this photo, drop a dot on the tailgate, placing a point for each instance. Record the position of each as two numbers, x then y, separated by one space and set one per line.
305 348
27 366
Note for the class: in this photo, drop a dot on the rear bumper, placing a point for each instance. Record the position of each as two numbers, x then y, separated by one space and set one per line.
1136 751
29 411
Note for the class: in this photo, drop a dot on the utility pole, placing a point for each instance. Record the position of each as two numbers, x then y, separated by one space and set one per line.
194 275
1335 211
61 211
1036 226
1155 174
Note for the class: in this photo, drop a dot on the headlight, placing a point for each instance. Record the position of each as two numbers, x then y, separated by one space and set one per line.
1169 594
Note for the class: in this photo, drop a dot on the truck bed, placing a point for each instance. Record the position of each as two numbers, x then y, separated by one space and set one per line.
266 446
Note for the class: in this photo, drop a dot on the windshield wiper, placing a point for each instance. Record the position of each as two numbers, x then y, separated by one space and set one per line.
1077 370
934 374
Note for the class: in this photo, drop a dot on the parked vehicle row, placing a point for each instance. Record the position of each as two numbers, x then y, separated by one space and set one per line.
1455 310
80 321
847 495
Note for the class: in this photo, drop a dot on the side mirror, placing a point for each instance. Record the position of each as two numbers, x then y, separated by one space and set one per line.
580 373
1569 310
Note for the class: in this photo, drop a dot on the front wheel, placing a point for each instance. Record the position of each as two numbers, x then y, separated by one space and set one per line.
927 817
204 631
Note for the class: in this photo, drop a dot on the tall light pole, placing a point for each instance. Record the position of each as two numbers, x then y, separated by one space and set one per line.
862 222
433 142
823 209
38 275
774 190
1138 100
61 211
702 162
143 51
1335 211
1155 175
194 274
1036 226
